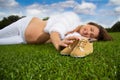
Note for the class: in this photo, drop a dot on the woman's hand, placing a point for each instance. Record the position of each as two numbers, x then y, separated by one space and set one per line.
67 41
57 42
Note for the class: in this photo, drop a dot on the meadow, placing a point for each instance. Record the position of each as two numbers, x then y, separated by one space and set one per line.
44 62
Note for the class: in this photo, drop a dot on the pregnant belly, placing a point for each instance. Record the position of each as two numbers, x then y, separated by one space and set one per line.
35 31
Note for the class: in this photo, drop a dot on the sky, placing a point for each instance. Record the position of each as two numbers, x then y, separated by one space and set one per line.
104 12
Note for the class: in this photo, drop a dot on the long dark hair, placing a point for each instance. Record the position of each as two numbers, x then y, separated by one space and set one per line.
103 34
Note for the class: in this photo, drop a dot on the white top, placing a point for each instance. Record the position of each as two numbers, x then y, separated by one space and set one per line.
62 23
75 34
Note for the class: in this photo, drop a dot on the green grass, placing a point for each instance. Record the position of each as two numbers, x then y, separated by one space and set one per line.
43 62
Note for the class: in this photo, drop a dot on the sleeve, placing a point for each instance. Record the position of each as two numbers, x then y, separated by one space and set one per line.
60 28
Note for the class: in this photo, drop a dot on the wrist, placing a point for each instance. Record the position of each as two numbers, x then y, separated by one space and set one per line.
57 46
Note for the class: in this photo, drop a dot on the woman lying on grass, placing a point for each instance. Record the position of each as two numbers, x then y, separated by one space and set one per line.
32 30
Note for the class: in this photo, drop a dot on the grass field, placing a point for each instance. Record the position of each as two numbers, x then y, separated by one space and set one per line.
43 62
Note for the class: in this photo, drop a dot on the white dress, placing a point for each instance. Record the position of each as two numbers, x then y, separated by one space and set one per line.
62 23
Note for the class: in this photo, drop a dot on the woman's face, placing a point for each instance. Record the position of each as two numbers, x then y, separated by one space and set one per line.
89 31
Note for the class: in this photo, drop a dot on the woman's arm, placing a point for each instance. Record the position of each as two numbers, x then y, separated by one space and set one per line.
57 42
55 39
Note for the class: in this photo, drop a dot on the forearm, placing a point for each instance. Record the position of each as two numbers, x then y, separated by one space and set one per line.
55 38
57 42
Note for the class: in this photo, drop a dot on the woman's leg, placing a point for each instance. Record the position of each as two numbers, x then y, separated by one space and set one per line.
11 40
10 34
14 33
10 30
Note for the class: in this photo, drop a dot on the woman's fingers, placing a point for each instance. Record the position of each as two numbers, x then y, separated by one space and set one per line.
69 40
66 42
